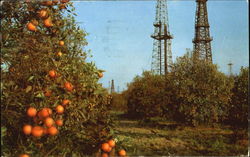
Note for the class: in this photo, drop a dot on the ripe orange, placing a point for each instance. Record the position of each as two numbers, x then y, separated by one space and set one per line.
50 111
49 122
59 109
31 27
111 143
45 112
48 93
105 155
43 13
27 129
55 1
109 150
59 54
100 75
47 22
37 131
122 152
52 73
59 122
105 147
52 130
61 43
68 86
65 102
48 3
31 112
24 155
64 1
62 6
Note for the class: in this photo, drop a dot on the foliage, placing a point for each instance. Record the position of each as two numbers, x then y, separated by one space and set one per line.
27 57
118 102
191 93
202 93
145 96
238 114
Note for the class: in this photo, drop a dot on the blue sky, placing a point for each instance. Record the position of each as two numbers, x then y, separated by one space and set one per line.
119 34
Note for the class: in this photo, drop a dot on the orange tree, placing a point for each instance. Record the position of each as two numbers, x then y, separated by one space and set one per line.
201 93
145 96
238 115
51 101
118 102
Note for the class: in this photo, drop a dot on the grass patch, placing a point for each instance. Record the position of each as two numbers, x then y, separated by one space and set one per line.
167 138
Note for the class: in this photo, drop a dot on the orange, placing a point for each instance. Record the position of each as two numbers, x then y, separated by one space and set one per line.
62 6
52 73
105 155
47 22
59 109
31 27
50 111
31 112
64 1
48 3
122 152
27 129
43 13
105 147
59 122
52 130
109 150
68 86
65 102
24 155
37 131
48 93
45 112
111 143
55 1
59 54
49 122
100 75
61 43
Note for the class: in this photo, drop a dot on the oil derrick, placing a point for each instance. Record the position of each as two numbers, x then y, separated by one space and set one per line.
202 39
112 87
162 54
230 64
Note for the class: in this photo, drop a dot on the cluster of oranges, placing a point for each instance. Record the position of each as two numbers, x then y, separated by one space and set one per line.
44 123
107 148
44 117
44 15
53 74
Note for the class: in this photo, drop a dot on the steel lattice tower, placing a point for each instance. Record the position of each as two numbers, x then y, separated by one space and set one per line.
202 39
162 54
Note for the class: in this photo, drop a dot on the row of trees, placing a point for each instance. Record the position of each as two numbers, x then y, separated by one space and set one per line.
191 93
46 79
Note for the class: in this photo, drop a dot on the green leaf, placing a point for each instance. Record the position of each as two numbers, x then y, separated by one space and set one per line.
28 89
39 95
30 78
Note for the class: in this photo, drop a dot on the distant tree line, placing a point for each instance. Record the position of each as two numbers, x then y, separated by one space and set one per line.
193 94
